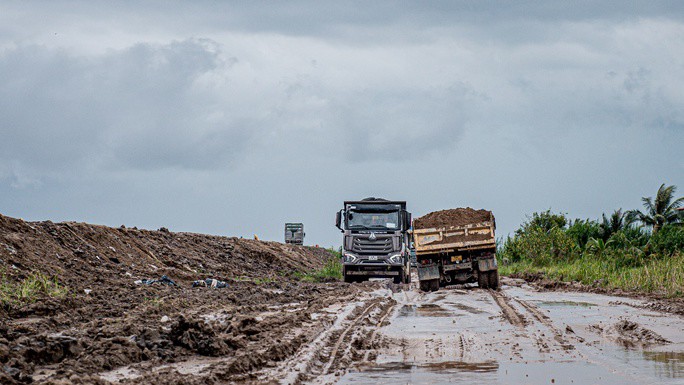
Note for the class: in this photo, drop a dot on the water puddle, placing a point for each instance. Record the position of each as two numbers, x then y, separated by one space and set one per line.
455 366
667 364
566 304
469 309
485 373
425 310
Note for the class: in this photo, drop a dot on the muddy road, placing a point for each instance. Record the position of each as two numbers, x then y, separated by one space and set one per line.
382 333
522 336
271 326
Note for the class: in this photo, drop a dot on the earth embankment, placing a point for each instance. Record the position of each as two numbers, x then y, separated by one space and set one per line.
105 317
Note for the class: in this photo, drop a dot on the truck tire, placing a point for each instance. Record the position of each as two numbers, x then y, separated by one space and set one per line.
424 285
483 279
434 284
493 279
398 278
407 280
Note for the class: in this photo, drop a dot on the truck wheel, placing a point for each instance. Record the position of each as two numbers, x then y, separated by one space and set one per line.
408 277
434 284
483 279
424 285
398 278
348 278
493 279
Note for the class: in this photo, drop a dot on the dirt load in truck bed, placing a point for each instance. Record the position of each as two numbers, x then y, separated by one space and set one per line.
453 217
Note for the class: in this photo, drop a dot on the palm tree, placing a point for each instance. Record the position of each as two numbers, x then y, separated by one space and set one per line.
618 220
661 211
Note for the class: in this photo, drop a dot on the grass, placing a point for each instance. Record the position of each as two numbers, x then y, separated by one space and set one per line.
664 275
29 290
331 271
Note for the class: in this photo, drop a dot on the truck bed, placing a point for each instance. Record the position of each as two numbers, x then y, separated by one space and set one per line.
454 238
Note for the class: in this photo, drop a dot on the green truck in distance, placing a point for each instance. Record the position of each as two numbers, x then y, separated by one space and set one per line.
294 233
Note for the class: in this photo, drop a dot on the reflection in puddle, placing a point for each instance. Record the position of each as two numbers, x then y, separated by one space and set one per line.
469 309
567 303
492 372
426 310
448 366
668 364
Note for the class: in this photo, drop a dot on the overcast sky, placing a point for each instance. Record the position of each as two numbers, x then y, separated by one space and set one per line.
233 118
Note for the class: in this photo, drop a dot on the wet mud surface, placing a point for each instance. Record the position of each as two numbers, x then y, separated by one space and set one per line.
268 326
520 335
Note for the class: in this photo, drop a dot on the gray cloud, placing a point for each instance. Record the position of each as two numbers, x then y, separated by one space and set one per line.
403 124
235 117
140 107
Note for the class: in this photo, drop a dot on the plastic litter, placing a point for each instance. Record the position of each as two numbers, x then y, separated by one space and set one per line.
210 282
163 280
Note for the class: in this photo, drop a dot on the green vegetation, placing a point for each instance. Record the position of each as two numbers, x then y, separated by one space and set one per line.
661 211
331 271
613 252
29 290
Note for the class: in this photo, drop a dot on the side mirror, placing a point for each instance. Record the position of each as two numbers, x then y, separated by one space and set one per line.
338 219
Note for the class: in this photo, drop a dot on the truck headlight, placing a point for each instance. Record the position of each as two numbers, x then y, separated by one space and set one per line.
396 258
349 258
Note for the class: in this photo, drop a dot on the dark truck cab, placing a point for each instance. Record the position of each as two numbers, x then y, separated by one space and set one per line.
376 240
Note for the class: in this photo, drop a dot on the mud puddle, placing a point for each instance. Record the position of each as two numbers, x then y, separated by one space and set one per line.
486 373
566 303
521 336
426 310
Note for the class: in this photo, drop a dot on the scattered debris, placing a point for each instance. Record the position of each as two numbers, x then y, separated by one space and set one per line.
163 280
210 282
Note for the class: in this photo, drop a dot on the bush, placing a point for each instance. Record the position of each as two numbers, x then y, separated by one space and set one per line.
581 231
667 241
545 220
540 246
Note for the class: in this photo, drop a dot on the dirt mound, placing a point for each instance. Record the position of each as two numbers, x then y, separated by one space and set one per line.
105 320
452 217
630 334
90 256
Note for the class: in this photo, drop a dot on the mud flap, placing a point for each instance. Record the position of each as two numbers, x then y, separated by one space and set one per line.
428 272
486 264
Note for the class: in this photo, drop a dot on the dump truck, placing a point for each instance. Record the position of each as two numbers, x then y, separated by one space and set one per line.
454 247
376 240
294 233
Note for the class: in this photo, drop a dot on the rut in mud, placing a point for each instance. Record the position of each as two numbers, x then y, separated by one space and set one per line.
519 335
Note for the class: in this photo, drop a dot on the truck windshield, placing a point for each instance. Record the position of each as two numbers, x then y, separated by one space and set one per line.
365 220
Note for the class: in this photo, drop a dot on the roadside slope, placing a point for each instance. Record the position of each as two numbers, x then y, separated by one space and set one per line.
81 254
103 319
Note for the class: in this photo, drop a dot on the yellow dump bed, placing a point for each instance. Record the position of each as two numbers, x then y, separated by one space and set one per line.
455 238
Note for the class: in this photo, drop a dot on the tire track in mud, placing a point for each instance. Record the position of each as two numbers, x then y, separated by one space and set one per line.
519 320
333 343
509 313
373 336
343 336
546 321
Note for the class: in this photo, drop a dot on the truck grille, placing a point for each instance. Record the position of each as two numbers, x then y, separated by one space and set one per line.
366 246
